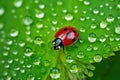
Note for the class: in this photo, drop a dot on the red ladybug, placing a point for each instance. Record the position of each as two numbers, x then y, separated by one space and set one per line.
65 37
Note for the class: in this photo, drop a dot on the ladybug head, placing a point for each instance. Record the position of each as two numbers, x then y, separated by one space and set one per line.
57 43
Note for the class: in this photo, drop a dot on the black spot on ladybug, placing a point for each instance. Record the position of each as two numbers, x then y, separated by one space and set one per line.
65 29
74 31
73 39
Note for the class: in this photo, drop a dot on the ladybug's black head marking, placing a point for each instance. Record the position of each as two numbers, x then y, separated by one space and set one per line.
57 43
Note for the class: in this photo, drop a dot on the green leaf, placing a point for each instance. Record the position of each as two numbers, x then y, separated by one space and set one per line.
27 29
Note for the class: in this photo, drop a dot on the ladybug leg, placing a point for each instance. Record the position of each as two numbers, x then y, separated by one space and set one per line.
63 47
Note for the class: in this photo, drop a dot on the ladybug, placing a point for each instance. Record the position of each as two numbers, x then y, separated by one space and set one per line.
66 36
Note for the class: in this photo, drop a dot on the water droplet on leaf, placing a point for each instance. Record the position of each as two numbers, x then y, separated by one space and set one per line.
97 58
68 17
92 37
55 73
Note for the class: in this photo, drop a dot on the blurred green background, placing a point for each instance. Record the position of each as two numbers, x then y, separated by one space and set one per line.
108 69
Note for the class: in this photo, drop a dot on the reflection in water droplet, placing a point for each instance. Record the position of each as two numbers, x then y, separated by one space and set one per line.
95 48
22 71
74 68
40 14
18 3
68 17
95 11
118 5
54 22
89 48
21 44
8 78
59 3
97 58
90 73
39 25
93 26
7 66
41 6
38 40
1 25
55 73
5 53
92 37
103 24
2 11
117 29
9 42
86 2
80 54
46 62
36 62
14 33
82 18
27 20
110 18
69 59
28 52
5 73
102 38
82 29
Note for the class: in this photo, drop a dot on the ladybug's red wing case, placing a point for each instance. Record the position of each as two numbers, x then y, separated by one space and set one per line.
68 35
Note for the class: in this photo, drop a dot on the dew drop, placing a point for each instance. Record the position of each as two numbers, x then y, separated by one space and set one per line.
46 62
110 18
93 26
95 11
80 54
5 53
55 73
29 66
117 29
68 17
21 44
89 48
2 11
102 38
8 78
59 3
9 42
69 59
38 40
27 20
103 24
18 3
5 73
10 61
36 62
92 37
40 14
54 22
90 73
7 66
74 68
15 52
39 25
82 29
22 71
82 18
86 2
95 48
28 52
97 58
118 5
14 33
1 25
41 6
